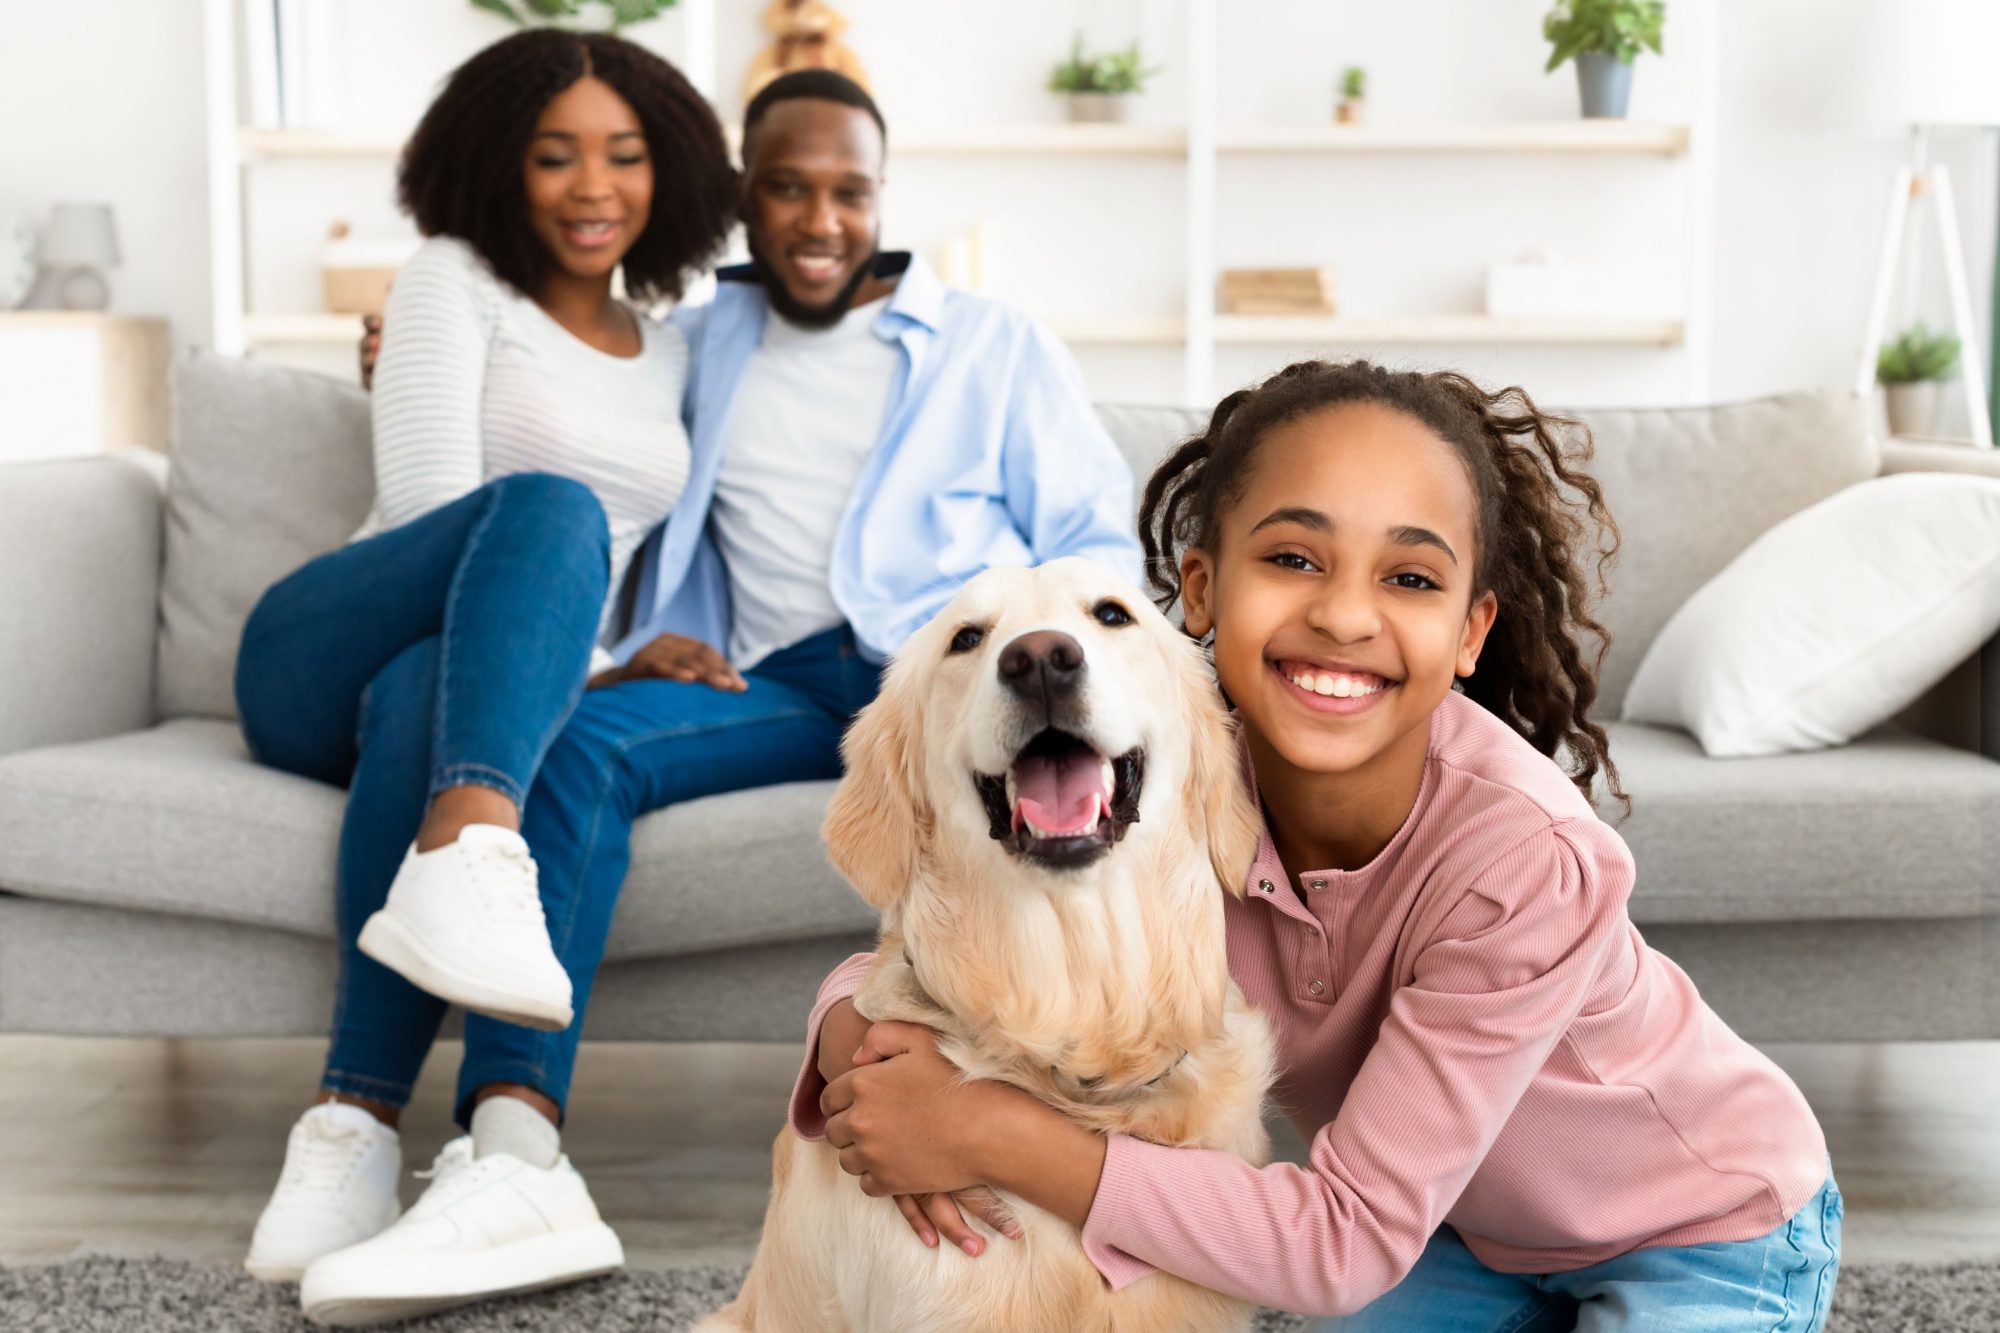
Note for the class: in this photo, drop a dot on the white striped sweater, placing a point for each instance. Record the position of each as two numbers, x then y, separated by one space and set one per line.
475 381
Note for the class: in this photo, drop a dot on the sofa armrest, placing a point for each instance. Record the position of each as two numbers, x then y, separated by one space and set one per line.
80 546
1964 708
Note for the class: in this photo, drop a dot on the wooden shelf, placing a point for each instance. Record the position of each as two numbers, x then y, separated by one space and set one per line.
1534 136
1063 140
319 327
270 144
1134 331
1349 329
1170 330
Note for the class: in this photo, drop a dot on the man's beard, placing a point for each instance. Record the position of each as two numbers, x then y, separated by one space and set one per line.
791 309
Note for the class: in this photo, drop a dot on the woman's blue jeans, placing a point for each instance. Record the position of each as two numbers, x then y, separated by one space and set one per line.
599 763
1781 1282
488 608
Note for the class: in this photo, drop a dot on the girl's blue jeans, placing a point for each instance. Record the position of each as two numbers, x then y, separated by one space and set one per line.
1781 1282
454 649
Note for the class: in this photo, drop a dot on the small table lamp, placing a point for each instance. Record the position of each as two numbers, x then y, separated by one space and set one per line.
1926 64
81 239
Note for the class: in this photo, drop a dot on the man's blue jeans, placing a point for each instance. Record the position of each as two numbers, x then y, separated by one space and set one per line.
463 701
1781 1282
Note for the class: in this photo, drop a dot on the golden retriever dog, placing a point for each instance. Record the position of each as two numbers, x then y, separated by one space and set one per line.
1046 804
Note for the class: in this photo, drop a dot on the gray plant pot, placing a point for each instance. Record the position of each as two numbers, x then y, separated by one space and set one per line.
1606 84
1913 408
1097 108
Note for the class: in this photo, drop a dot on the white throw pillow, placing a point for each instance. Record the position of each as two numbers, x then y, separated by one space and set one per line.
1833 621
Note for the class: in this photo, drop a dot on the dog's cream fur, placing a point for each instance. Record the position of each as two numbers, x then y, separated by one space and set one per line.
1083 986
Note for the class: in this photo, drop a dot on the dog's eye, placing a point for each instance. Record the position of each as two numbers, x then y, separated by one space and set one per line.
967 639
1111 613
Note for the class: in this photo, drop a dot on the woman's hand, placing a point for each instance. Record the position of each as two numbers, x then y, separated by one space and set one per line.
676 657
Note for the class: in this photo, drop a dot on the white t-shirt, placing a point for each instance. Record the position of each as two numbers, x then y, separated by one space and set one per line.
476 381
808 412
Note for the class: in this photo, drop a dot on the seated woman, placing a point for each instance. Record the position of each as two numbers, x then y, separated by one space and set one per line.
528 436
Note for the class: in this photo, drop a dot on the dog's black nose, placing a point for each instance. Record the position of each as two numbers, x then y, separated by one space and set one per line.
1042 664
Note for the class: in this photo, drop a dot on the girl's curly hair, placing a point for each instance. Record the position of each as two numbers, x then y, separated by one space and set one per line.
461 170
1538 512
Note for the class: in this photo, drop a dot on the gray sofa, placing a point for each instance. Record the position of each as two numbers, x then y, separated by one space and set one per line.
154 881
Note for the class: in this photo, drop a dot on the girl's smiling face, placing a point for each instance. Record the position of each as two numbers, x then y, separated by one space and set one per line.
1340 586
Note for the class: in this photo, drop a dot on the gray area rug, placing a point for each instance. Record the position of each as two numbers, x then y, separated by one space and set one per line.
165 1296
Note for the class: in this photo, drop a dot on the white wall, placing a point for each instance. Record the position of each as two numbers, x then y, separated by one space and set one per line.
1799 195
1802 195
104 104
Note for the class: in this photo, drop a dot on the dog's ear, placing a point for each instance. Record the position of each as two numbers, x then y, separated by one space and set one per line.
872 823
1216 788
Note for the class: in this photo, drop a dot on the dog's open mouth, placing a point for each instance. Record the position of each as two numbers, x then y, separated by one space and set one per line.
1062 802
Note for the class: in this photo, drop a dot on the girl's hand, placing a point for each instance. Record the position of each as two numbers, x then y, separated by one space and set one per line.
934 1215
905 1120
841 1033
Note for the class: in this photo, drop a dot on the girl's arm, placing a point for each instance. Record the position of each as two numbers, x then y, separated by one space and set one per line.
829 1052
1495 986
429 382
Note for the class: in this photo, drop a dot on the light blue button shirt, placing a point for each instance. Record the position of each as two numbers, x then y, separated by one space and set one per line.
990 455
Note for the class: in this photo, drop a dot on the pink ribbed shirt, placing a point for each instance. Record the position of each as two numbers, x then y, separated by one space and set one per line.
1470 1030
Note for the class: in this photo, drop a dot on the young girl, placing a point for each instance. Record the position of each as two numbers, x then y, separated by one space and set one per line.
1521 1117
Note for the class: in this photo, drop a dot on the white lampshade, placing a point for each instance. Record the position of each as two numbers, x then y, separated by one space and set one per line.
80 236
1927 62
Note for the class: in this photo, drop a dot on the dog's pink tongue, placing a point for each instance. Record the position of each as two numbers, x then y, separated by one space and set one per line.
1061 794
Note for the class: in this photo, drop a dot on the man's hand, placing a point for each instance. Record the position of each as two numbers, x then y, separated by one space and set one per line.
371 348
676 657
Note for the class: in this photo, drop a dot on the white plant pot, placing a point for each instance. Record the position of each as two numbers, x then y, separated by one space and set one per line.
1913 408
1097 108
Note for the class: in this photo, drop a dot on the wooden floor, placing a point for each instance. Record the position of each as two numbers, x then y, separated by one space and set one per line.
157 1147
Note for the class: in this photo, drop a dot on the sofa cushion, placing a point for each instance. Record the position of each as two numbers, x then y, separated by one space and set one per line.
1886 587
1690 488
271 467
1146 433
203 831
1891 826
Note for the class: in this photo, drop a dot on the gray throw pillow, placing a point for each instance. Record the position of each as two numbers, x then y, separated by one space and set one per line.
270 467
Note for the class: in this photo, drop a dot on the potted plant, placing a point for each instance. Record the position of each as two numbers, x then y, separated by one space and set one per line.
601 15
1353 95
1604 37
1099 85
1910 370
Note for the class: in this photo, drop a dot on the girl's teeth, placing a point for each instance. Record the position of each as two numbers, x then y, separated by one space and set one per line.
1335 686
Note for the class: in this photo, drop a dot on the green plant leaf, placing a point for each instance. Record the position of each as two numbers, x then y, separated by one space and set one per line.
1620 28
500 7
625 12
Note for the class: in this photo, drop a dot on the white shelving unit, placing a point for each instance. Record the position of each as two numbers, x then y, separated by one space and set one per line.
1199 147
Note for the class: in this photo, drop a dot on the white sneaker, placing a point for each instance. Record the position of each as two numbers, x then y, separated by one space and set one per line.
465 923
338 1187
487 1226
